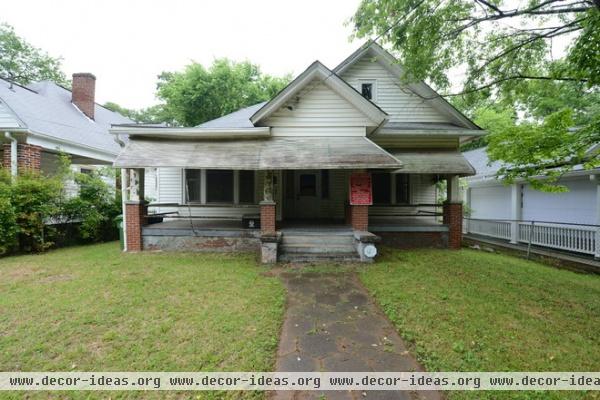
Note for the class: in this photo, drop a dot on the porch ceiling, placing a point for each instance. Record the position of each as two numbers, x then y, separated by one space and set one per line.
258 154
433 162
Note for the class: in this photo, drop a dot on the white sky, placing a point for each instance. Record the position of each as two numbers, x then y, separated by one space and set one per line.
127 43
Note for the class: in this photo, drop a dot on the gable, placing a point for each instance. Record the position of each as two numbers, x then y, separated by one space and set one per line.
8 118
317 105
401 104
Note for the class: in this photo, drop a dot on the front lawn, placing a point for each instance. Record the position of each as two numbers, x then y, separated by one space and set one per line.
93 308
474 311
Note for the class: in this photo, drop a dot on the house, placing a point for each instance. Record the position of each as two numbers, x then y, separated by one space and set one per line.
563 221
43 119
334 161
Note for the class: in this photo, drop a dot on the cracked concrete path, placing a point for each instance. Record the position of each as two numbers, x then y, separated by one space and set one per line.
331 324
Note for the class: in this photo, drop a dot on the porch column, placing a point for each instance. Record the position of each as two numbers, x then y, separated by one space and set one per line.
596 179
358 215
267 206
453 213
136 210
515 211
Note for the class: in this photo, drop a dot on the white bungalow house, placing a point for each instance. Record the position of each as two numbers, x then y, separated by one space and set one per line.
43 119
335 160
565 221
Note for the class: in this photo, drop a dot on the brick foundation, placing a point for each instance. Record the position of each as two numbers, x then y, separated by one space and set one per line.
267 218
29 157
358 217
135 213
453 216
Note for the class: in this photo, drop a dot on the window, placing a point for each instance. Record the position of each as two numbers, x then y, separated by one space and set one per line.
325 184
366 89
219 186
246 187
308 185
382 188
192 183
86 171
402 189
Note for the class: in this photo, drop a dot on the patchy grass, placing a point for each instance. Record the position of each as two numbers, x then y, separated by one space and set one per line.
93 308
474 311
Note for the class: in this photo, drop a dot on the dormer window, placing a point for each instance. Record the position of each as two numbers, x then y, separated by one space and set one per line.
367 89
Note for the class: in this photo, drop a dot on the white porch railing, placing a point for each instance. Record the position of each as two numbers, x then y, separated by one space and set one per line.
497 229
577 238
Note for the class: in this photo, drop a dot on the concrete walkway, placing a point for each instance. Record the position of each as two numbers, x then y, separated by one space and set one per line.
331 324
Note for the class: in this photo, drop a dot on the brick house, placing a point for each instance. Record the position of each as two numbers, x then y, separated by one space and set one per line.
42 119
336 161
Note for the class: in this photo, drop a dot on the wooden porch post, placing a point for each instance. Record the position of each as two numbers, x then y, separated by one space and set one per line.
135 210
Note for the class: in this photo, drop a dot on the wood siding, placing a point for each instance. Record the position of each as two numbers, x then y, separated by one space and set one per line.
318 106
395 99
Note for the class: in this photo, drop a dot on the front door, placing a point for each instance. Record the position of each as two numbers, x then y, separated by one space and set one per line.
307 185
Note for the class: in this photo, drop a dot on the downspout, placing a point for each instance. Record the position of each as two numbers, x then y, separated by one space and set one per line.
13 154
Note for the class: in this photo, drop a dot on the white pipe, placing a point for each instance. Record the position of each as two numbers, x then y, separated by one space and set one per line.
13 154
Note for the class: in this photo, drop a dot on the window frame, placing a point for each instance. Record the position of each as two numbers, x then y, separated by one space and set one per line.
393 183
373 83
203 182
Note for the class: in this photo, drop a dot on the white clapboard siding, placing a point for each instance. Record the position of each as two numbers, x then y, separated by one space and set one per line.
151 184
318 131
395 99
318 106
415 142
7 118
491 202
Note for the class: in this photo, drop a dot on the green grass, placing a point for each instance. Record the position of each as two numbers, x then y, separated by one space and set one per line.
93 308
473 311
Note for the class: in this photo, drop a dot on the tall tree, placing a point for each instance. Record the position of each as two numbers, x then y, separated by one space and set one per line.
23 63
150 115
506 52
199 94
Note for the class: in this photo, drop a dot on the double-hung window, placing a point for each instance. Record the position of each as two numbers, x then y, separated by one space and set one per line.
219 186
390 188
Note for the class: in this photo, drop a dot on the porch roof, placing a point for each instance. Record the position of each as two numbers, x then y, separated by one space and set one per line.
433 162
257 154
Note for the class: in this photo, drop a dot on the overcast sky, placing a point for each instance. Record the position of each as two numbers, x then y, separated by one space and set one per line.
127 43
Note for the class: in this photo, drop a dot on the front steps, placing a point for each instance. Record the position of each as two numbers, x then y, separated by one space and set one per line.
318 246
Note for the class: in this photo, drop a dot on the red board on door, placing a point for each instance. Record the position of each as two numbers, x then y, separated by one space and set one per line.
360 189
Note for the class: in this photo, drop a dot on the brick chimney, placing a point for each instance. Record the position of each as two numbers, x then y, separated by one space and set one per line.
83 93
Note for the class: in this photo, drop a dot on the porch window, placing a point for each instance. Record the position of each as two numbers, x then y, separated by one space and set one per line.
402 192
324 183
219 186
382 187
192 183
308 185
246 187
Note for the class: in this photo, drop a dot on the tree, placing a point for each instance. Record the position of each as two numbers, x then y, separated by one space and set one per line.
199 94
150 115
505 50
22 63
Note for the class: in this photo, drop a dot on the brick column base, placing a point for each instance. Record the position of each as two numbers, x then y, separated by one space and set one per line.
453 215
359 217
135 218
267 217
29 157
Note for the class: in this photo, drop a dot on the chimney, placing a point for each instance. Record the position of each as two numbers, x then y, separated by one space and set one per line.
83 92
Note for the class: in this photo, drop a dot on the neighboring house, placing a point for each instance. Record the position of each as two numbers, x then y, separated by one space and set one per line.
293 163
43 119
495 207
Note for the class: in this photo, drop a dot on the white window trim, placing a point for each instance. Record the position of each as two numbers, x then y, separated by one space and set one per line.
372 82
236 187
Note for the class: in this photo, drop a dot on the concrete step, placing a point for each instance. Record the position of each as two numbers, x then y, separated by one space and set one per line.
315 257
324 248
318 240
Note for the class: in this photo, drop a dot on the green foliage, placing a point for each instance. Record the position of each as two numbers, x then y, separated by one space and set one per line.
36 210
493 121
22 63
584 56
35 201
150 115
198 94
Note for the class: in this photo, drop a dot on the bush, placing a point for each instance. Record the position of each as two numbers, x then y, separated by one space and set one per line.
36 211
